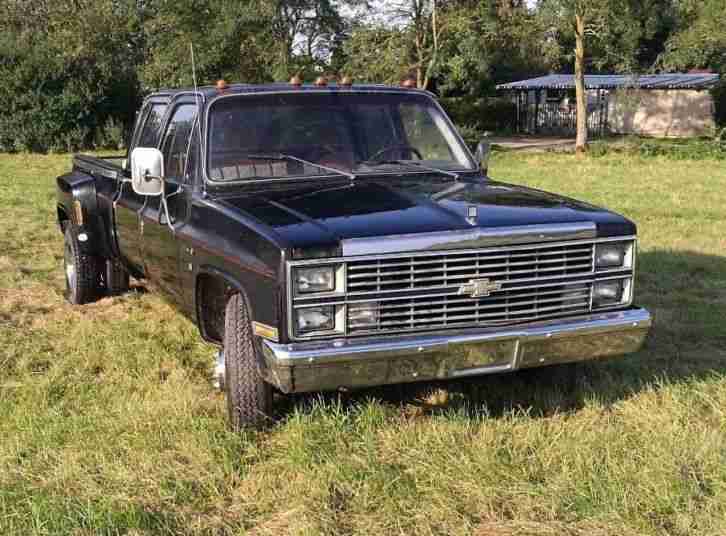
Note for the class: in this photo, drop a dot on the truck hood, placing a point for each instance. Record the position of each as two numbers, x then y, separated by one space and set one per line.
313 216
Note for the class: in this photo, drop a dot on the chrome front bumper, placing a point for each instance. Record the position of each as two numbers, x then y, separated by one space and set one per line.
352 363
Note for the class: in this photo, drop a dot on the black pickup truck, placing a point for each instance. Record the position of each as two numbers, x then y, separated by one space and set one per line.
336 237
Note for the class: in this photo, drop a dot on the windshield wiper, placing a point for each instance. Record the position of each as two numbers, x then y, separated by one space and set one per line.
415 164
288 157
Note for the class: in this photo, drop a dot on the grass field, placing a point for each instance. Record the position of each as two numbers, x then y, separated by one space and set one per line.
109 423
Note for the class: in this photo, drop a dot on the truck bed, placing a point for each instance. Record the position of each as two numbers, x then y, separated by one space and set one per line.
105 166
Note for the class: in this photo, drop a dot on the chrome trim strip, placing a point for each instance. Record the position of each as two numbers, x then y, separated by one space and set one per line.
468 238
345 350
562 242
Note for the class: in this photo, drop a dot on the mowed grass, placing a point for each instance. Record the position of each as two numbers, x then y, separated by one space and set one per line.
109 423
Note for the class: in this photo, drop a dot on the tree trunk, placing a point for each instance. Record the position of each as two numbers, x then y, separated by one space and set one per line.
580 95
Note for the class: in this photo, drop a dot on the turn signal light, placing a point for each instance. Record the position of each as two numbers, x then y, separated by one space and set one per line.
320 81
222 86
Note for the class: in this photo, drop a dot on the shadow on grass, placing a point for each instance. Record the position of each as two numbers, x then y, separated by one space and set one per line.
684 291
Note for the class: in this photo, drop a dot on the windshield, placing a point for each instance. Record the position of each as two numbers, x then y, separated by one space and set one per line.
355 133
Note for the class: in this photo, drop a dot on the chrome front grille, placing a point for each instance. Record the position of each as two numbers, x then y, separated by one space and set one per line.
421 272
536 282
460 288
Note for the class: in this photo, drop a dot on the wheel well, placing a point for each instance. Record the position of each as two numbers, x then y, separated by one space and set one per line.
212 295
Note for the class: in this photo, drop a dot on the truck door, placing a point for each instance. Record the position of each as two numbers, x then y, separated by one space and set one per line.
128 206
160 245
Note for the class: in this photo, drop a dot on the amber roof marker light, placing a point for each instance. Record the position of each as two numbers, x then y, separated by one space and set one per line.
408 83
321 81
296 81
222 85
346 81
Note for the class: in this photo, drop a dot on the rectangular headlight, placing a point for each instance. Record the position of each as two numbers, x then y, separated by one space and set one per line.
614 255
314 279
611 292
310 319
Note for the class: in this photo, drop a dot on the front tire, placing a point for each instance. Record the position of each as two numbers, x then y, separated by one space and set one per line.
249 397
82 271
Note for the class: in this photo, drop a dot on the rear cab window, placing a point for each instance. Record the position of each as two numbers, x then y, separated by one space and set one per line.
176 142
151 125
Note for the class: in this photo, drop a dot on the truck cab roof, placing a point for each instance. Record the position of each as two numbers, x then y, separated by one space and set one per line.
209 92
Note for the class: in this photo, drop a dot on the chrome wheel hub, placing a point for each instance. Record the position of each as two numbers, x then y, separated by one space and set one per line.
70 266
219 371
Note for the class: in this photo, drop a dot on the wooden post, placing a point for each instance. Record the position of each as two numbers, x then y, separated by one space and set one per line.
580 91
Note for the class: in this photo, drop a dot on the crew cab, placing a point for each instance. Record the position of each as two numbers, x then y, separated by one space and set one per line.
333 237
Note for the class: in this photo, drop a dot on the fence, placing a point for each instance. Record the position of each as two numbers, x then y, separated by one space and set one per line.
554 118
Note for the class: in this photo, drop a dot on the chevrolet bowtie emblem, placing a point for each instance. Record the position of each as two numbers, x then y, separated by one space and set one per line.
479 288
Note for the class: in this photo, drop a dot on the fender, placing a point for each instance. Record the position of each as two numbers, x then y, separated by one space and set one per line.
262 329
231 281
77 202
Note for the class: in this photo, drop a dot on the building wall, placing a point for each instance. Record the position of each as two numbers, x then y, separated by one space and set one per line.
662 113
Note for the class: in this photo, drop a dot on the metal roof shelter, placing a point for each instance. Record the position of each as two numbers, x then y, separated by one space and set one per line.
545 104
617 81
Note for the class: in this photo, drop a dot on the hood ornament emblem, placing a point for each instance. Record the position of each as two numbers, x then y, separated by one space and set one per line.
479 288
471 215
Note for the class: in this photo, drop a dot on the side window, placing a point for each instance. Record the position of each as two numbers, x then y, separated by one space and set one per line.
151 131
176 141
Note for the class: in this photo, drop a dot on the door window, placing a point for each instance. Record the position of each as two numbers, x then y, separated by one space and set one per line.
176 141
151 132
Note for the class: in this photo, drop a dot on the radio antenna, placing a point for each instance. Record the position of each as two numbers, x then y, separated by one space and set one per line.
198 119
194 68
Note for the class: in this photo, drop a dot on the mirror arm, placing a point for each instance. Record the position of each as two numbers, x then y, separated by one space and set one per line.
165 206
120 191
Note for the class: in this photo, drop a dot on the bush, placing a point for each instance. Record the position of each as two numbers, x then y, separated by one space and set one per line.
683 149
485 114
112 135
68 77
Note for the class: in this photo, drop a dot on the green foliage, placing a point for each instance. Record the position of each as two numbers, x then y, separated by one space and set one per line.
701 38
611 31
65 68
74 71
671 149
68 67
374 55
480 115
486 43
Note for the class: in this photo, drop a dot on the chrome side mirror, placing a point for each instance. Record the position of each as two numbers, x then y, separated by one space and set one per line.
147 171
483 151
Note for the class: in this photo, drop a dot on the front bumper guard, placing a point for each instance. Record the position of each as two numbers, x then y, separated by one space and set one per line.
357 362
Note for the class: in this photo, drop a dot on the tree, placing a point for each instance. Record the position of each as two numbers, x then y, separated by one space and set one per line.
700 42
66 70
487 42
603 25
401 38
304 34
217 28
